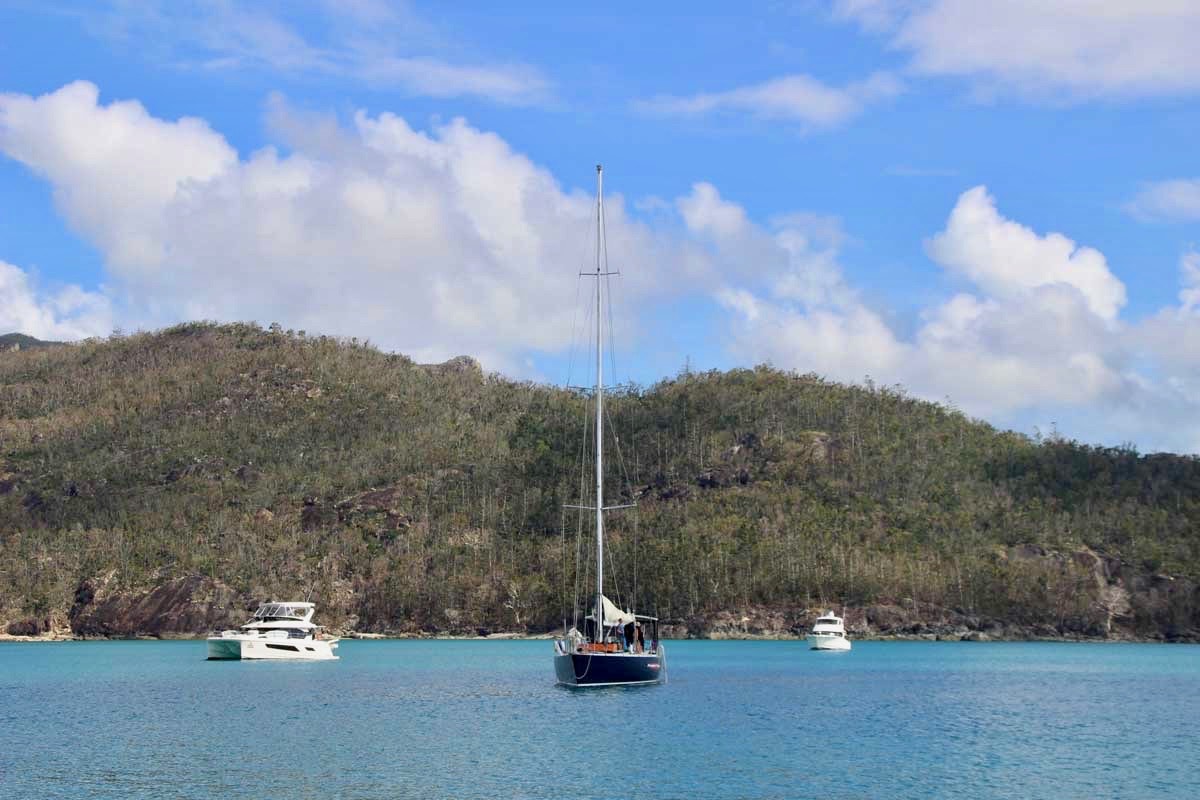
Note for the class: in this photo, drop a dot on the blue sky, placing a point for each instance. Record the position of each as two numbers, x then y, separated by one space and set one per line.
988 202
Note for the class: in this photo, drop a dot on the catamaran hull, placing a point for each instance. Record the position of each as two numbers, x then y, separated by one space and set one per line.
816 642
610 669
227 648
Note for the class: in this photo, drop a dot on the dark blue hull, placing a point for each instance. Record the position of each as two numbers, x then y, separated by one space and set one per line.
610 669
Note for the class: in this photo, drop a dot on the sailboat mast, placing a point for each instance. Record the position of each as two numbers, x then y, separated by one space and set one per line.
599 403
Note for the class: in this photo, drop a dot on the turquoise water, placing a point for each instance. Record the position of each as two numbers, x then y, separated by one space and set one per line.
480 719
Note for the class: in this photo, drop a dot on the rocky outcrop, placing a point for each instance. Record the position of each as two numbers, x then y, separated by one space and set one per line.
181 607
748 623
459 365
53 625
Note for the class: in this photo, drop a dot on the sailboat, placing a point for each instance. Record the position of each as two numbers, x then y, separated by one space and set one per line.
616 647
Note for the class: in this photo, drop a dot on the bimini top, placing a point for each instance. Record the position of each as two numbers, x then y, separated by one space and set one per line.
269 612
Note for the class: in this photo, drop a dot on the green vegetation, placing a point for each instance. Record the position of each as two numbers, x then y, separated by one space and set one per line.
431 496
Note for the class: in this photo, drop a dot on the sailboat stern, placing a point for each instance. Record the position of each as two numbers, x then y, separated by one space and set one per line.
610 669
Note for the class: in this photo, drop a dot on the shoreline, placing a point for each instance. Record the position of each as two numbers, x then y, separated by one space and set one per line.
927 637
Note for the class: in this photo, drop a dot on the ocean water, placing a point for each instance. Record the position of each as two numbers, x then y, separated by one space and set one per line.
483 719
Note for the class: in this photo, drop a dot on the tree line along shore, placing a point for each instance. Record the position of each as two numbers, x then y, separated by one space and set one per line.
160 483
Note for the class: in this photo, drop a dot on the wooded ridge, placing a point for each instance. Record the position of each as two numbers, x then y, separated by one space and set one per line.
160 483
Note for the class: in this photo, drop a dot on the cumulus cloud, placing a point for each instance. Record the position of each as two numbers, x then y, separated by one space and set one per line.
435 243
114 168
1038 332
445 241
1167 201
67 313
1008 259
799 98
1079 49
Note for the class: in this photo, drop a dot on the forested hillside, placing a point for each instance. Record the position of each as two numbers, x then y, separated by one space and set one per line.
211 466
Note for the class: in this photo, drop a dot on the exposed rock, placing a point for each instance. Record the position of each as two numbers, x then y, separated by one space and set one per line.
675 493
31 626
821 447
887 617
181 607
751 623
386 509
1026 552
723 476
459 365
316 514
247 474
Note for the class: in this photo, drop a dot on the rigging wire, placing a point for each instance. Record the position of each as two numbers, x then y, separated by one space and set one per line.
586 561
562 561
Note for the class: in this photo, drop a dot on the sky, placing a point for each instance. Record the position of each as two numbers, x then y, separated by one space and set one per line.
991 203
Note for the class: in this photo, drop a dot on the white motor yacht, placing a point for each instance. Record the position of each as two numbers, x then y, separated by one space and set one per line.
828 633
278 631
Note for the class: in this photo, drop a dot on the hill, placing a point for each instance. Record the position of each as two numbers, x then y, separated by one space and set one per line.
19 341
158 483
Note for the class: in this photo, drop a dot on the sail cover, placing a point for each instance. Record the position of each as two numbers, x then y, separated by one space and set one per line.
614 615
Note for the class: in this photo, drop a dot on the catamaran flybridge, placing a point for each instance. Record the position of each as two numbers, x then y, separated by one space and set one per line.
277 631
616 648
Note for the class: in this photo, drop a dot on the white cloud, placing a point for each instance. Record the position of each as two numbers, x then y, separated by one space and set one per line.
1173 200
434 243
447 241
1039 333
1076 49
67 313
706 213
1189 295
1007 259
518 85
383 45
799 98
114 168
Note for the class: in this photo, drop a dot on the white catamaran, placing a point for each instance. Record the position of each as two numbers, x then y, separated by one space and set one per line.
616 648
277 631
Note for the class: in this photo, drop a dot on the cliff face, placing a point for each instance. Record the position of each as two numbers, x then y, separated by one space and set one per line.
405 499
182 607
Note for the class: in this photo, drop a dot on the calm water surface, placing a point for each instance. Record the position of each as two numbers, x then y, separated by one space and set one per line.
480 719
